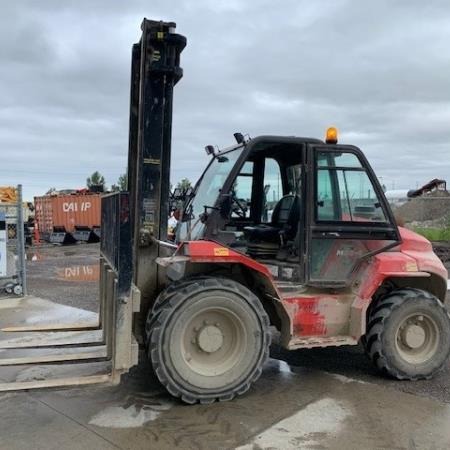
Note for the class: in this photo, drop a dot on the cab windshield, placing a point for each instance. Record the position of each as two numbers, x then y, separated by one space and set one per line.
207 191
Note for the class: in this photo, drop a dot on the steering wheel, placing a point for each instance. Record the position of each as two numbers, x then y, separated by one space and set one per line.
237 207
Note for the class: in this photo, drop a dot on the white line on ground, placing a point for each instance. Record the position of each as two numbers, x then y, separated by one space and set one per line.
300 430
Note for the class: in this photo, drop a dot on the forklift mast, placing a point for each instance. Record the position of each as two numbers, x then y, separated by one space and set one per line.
155 69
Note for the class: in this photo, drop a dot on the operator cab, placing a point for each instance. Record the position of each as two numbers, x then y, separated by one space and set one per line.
276 199
265 202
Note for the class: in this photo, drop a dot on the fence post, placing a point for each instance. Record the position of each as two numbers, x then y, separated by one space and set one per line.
21 241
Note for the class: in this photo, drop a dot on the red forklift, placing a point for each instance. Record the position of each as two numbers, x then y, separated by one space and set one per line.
287 232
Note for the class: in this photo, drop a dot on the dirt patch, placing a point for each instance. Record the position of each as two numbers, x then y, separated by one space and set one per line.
423 209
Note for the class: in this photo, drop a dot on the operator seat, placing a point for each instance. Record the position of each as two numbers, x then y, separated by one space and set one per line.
284 222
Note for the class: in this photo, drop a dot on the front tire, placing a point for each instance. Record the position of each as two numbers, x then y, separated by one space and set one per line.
408 335
208 340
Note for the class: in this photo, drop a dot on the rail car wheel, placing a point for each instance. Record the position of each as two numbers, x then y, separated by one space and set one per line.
18 290
9 288
208 340
408 335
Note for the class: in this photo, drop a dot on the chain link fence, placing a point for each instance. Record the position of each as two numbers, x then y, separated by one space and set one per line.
12 247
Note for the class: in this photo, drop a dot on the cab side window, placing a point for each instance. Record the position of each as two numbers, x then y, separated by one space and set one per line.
344 191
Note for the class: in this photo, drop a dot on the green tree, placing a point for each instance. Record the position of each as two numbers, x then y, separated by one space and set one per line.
184 184
96 179
122 183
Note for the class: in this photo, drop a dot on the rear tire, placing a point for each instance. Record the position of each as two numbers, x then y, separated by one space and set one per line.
208 340
408 335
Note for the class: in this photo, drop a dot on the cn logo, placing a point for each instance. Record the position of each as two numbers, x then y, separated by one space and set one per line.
75 207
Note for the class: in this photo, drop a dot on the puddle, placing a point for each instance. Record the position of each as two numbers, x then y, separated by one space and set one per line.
344 379
278 366
284 367
129 416
119 417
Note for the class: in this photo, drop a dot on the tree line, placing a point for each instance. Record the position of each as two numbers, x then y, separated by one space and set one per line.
97 181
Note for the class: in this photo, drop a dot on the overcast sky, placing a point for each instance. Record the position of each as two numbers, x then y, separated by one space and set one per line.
379 71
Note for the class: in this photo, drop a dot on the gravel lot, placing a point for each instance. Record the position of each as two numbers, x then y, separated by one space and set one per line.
65 274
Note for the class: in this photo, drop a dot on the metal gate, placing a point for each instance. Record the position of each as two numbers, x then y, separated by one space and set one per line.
12 245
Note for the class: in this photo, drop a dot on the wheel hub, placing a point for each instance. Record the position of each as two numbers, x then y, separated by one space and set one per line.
417 338
413 336
210 338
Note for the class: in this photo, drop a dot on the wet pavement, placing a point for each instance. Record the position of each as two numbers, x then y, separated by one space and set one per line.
351 361
316 399
288 408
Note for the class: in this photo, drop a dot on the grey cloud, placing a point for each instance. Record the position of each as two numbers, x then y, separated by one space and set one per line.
377 70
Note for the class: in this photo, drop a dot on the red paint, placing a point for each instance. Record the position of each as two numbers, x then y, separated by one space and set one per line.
414 250
420 249
306 317
206 251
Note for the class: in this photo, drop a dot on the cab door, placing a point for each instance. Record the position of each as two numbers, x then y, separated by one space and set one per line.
348 216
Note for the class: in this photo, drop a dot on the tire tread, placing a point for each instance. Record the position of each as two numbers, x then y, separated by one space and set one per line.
376 327
167 301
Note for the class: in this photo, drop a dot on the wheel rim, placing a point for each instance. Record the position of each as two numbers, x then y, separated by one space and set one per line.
417 338
212 340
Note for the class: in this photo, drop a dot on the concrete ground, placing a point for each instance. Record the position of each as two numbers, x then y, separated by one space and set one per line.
288 408
314 399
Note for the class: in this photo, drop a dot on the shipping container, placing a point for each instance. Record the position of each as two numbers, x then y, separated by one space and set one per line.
67 211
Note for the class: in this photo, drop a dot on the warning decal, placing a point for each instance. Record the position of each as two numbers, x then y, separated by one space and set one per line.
221 251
